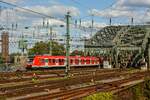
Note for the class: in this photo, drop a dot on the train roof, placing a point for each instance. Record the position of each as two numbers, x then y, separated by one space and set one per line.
48 56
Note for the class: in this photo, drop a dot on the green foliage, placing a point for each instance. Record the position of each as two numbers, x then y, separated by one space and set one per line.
136 30
19 74
100 96
147 89
2 97
76 52
57 49
43 48
34 80
1 60
137 92
39 48
140 92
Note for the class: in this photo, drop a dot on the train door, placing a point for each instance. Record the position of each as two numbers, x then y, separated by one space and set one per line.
82 61
92 60
57 61
41 62
88 61
53 61
61 61
97 61
71 61
76 61
79 61
46 61
50 62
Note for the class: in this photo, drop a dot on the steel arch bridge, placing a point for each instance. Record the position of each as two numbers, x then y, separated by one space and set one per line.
126 45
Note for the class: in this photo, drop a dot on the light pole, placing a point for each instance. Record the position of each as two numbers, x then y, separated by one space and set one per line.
148 67
50 44
67 42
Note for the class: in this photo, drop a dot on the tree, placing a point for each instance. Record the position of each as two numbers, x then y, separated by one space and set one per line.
76 52
57 49
43 48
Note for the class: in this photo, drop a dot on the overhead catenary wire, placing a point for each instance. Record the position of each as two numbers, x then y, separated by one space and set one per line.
82 5
26 9
34 12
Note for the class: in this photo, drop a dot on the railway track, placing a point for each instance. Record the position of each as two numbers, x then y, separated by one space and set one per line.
84 91
31 89
6 77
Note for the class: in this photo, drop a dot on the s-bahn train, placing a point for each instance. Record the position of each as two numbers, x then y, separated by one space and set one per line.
45 61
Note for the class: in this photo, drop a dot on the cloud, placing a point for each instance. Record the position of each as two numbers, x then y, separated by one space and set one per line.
124 8
56 10
112 13
54 2
135 3
20 15
11 15
96 24
13 1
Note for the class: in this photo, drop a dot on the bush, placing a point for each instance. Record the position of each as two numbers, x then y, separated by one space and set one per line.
137 92
147 89
100 96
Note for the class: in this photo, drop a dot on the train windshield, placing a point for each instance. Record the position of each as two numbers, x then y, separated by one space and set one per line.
30 59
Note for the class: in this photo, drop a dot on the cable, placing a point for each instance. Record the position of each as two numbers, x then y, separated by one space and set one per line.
145 14
41 14
32 11
80 4
29 10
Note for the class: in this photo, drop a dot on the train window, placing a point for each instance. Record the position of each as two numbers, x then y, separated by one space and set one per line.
29 60
93 61
63 60
42 61
96 61
77 61
71 61
53 60
82 61
56 60
88 61
60 60
50 61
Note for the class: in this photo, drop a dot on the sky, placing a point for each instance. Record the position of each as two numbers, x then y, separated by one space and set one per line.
120 11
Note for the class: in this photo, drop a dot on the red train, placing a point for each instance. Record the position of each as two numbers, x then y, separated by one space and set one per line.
45 61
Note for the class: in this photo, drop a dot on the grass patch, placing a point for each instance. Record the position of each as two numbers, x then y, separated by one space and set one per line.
2 97
147 88
133 70
59 78
100 96
137 92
